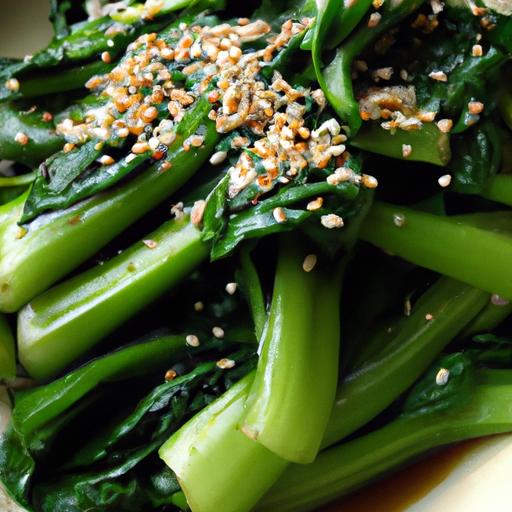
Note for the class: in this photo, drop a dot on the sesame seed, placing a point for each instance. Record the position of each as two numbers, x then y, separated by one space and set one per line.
403 74
225 364
331 221
21 138
110 43
231 288
151 244
309 262
218 157
440 76
406 150
279 215
477 50
369 181
196 215
170 375
106 160
21 233
140 147
445 125
442 377
382 73
316 204
12 85
192 340
497 300
218 332
106 58
429 317
437 6
399 220
47 117
374 20
68 147
475 107
445 180
198 306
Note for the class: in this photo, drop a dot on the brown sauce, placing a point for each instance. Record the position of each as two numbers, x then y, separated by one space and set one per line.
403 489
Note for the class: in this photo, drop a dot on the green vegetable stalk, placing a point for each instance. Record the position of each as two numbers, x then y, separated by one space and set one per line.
7 355
484 410
401 356
88 307
34 256
499 189
474 248
210 455
298 364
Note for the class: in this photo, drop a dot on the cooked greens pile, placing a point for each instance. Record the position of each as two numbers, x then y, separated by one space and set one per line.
255 253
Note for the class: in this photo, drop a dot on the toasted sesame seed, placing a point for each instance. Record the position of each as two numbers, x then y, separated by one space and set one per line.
437 6
440 76
382 73
442 377
369 181
12 85
399 220
47 117
218 332
445 125
140 147
477 50
225 364
170 375
331 221
106 58
198 306
106 160
279 215
309 262
475 107
196 215
406 150
218 157
192 340
69 146
429 317
316 204
231 288
21 138
445 180
374 20
151 244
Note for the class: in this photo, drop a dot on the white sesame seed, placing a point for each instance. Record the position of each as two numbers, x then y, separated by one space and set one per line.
445 125
110 43
406 150
440 76
331 221
192 340
445 180
437 6
106 160
399 220
369 181
196 215
477 50
231 288
279 215
218 157
309 262
198 306
225 364
316 204
21 138
429 317
151 244
374 20
497 300
218 332
12 85
442 377
403 74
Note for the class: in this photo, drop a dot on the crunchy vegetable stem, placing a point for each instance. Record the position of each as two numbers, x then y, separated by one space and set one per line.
217 466
55 243
499 189
86 308
342 469
440 314
474 248
298 365
7 356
